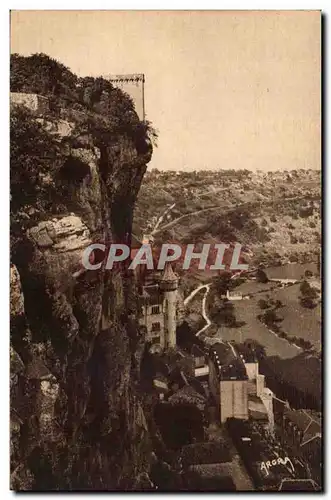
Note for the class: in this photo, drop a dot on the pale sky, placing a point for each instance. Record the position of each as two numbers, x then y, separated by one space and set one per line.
224 89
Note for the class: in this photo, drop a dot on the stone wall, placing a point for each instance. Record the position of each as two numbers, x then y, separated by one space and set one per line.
134 86
34 102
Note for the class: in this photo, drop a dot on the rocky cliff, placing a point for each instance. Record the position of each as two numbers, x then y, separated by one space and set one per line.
77 419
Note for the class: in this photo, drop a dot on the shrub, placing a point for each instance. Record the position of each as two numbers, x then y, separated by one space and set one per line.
107 110
307 291
278 304
40 74
307 302
293 257
306 212
261 276
270 317
33 154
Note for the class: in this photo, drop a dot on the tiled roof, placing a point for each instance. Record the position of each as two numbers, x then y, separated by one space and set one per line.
298 485
229 364
168 274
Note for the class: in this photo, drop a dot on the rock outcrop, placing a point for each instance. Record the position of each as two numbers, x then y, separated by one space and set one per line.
77 418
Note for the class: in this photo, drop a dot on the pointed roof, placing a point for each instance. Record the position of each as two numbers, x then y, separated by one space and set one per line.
168 274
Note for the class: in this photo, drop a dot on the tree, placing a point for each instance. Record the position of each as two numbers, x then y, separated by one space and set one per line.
263 304
307 302
223 282
223 314
261 276
306 212
308 294
278 304
308 291
250 346
40 74
33 154
270 317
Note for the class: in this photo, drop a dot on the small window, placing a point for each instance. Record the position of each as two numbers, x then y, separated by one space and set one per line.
155 309
156 327
155 340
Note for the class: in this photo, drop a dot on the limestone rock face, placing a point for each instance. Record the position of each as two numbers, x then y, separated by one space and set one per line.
77 421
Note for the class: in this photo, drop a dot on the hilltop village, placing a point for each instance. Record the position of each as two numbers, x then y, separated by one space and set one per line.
223 427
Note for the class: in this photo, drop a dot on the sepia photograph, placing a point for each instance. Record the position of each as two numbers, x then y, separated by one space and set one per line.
166 261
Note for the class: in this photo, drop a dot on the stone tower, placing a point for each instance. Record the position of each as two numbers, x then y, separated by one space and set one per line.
169 286
134 86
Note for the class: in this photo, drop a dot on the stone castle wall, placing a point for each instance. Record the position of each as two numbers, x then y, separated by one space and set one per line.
34 102
134 86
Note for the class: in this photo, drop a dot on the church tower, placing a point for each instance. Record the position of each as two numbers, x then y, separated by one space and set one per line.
169 285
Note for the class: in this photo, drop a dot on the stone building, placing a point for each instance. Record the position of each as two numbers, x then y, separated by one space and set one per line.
158 312
228 382
134 86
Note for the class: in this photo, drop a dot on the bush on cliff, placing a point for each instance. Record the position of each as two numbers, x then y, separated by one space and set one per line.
33 154
109 110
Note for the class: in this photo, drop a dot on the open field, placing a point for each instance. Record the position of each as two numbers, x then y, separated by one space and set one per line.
247 310
290 271
298 320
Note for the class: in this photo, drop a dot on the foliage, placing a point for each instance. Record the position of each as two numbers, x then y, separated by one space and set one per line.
306 212
307 302
33 154
222 313
308 273
99 111
307 291
40 74
270 318
263 304
261 276
223 283
250 346
293 239
106 109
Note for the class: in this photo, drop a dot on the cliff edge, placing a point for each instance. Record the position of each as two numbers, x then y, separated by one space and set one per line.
77 419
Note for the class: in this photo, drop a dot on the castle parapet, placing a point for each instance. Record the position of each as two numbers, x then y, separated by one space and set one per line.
132 84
